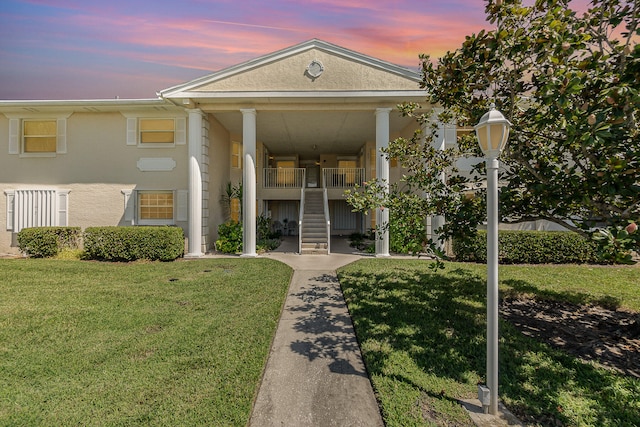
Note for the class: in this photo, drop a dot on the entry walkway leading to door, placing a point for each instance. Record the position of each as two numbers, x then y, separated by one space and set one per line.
315 375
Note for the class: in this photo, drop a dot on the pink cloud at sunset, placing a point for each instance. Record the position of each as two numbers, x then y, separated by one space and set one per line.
66 49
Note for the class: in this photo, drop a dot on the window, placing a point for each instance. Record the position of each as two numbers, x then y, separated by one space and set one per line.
236 155
286 172
36 208
235 209
157 131
39 136
348 171
155 207
373 162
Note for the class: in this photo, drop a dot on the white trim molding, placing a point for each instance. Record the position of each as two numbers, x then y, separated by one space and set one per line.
156 164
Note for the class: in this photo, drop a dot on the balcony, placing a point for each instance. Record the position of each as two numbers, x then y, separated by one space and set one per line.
285 183
284 178
342 178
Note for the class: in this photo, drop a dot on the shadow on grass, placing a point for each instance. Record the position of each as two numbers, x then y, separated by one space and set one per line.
579 298
438 320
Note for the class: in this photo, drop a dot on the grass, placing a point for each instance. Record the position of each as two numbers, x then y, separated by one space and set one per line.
180 343
422 334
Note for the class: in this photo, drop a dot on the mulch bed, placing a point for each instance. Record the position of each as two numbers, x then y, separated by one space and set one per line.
591 333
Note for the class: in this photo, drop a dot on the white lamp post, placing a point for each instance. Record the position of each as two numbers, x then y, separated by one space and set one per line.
492 132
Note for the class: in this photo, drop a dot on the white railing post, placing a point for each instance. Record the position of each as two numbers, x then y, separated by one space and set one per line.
327 219
300 217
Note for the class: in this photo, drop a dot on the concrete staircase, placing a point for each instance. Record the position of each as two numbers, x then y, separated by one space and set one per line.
314 225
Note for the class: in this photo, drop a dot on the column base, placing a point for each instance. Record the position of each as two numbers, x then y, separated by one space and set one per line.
248 255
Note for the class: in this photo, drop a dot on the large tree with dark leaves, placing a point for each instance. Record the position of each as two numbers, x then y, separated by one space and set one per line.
569 83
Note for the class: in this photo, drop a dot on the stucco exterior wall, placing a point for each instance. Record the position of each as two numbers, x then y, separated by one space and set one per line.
288 74
219 166
97 166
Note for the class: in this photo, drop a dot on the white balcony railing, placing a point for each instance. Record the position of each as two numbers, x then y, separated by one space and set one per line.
342 177
284 177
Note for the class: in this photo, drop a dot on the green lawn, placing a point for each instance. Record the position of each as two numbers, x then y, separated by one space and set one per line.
423 339
180 343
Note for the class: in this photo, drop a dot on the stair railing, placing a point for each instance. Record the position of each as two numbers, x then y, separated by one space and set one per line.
300 221
327 218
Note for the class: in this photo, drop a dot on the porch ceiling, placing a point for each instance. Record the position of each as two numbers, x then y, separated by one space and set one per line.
338 132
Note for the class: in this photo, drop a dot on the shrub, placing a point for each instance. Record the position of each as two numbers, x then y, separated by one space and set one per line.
263 227
229 237
529 247
267 244
45 242
133 243
363 242
407 234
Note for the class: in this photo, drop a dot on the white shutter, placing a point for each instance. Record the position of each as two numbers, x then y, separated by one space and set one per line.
450 135
183 206
129 205
34 208
63 208
181 131
132 131
61 147
14 136
10 208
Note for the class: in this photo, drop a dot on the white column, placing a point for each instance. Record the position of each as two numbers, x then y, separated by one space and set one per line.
382 172
195 183
249 182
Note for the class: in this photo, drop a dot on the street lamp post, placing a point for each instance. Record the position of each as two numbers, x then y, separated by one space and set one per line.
492 132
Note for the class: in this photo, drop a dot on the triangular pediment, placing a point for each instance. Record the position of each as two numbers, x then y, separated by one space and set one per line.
314 65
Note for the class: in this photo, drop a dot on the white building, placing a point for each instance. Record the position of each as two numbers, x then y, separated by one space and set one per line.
298 124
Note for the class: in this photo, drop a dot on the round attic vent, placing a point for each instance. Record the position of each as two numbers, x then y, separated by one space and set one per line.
315 68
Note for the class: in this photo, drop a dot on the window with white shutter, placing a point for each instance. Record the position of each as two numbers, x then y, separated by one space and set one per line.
38 136
28 208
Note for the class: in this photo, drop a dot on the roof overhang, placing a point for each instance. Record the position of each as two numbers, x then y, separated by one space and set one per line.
85 106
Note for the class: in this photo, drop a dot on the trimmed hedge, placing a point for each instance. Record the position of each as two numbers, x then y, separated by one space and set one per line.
45 242
133 243
529 247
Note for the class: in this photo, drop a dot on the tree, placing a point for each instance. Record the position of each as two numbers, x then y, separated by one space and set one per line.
569 84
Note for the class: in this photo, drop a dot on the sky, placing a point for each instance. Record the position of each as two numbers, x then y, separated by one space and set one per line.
103 49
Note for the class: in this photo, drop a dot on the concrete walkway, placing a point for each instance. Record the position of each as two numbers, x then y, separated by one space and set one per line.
315 375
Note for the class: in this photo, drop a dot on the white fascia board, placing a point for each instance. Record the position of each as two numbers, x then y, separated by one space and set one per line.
177 91
303 94
98 105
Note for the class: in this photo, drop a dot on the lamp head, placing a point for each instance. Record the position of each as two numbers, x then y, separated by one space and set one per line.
492 131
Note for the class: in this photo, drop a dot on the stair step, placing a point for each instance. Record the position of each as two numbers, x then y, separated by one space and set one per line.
314 237
314 229
314 245
314 252
314 225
